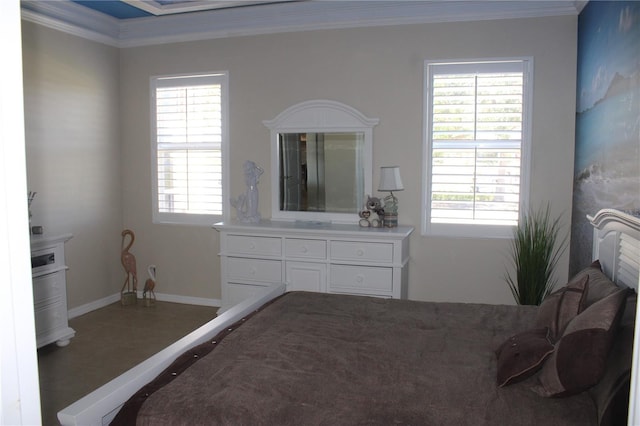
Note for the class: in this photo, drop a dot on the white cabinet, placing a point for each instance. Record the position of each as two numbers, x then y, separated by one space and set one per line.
334 258
49 273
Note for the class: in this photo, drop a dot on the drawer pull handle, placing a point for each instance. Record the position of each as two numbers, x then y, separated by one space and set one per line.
252 245
304 249
360 252
252 271
360 278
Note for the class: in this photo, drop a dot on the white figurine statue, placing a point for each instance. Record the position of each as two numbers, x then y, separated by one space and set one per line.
246 204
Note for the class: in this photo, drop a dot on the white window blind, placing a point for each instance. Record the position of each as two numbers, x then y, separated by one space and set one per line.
189 113
476 124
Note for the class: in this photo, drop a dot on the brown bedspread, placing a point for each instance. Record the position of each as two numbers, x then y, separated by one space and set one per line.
323 359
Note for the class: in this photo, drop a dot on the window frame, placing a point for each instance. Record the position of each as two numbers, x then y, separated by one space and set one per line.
457 230
219 77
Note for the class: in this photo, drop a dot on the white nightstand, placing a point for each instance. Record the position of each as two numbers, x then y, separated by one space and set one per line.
49 273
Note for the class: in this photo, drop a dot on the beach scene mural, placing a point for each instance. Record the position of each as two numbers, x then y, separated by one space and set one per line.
607 155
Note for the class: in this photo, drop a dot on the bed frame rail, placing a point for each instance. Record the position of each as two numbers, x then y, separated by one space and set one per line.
101 406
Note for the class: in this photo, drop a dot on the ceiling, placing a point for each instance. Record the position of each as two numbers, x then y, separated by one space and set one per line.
130 23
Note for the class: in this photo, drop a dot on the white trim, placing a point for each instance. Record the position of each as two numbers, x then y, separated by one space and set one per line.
71 18
157 8
163 297
92 306
188 300
19 387
215 77
278 18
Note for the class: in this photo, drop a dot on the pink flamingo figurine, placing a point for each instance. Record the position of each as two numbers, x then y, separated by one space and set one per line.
129 263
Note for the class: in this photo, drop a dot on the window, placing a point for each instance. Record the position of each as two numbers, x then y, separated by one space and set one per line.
476 146
189 148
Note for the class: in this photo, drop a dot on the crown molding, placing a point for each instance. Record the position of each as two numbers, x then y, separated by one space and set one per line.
72 18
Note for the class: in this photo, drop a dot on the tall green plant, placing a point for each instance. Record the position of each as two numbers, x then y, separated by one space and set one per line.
536 250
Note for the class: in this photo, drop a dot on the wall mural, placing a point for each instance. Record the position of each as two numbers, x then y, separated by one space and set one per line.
607 156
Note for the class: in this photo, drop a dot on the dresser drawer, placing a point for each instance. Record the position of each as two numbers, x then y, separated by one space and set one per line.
251 245
361 279
254 269
50 318
309 249
47 260
361 251
48 287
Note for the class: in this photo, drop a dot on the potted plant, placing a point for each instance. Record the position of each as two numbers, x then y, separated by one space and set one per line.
536 249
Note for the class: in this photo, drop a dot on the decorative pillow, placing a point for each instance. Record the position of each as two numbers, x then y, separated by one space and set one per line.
611 394
521 355
629 314
600 286
580 356
560 307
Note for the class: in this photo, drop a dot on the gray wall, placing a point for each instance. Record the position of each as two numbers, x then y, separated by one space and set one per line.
73 153
378 71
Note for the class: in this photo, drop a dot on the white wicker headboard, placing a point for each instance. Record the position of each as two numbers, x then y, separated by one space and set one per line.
616 243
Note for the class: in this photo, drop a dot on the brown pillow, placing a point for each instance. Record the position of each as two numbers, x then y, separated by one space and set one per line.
611 394
521 355
580 357
600 286
560 307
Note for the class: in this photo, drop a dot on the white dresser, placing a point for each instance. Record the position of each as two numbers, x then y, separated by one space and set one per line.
50 290
320 257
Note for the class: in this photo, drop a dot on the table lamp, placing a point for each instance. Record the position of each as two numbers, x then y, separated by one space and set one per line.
390 181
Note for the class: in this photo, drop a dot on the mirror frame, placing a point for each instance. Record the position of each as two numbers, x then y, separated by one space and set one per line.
319 116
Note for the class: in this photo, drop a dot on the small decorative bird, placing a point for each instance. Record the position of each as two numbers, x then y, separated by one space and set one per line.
150 284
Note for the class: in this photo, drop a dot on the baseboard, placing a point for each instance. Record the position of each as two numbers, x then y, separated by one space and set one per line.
92 306
200 301
163 297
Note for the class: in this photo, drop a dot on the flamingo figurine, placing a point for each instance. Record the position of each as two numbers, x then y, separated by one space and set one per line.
150 284
129 263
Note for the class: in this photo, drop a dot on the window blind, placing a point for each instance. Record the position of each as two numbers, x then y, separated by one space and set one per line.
476 143
189 146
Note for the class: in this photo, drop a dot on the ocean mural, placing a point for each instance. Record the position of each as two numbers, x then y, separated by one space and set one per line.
607 154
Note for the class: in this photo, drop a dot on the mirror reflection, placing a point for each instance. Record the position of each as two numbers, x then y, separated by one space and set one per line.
321 172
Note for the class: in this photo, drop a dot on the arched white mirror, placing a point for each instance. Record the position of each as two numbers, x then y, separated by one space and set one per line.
321 162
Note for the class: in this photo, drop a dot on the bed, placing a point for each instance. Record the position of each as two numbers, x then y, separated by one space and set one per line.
310 358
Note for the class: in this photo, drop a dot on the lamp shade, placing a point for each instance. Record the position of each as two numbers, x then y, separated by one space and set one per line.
390 179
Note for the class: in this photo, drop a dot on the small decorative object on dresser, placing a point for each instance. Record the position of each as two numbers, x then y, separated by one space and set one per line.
324 258
390 181
49 273
246 204
372 214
